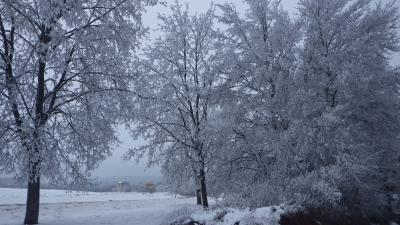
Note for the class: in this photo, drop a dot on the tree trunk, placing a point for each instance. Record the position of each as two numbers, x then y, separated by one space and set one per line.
32 202
198 195
203 189
198 191
33 197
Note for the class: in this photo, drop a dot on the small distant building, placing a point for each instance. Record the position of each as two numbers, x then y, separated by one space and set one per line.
150 187
121 186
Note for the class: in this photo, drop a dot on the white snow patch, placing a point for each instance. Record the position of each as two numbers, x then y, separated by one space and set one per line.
229 216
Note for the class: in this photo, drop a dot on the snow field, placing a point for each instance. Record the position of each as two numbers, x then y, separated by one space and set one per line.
59 207
12 196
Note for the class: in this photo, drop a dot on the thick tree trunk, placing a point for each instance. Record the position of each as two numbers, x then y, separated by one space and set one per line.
33 197
203 189
32 202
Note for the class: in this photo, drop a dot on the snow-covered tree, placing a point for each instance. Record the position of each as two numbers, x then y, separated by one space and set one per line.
260 60
179 81
312 117
348 95
63 66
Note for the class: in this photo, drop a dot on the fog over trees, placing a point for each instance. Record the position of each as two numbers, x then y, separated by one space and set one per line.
259 108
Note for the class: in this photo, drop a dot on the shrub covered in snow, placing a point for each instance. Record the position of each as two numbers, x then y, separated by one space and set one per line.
227 216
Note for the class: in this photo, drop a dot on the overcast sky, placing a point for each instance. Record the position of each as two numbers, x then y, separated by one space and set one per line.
115 166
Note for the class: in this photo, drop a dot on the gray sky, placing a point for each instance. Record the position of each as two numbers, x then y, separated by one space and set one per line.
115 166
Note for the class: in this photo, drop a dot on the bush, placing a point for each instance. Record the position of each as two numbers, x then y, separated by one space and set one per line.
323 217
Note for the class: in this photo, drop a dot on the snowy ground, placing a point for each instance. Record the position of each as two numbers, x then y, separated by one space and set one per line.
71 208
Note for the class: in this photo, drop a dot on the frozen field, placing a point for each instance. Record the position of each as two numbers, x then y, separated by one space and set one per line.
73 208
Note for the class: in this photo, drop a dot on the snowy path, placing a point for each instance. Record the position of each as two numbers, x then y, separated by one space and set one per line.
150 211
